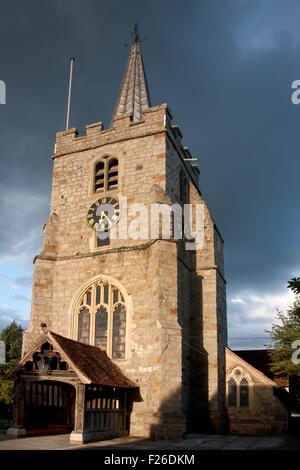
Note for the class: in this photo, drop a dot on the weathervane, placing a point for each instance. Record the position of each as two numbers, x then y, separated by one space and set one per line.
136 35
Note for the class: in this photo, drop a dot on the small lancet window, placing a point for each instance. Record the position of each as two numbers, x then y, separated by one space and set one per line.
84 325
101 328
119 324
112 177
244 393
232 392
99 177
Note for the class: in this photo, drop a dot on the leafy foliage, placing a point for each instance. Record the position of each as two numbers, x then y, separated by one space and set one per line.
12 337
294 285
282 338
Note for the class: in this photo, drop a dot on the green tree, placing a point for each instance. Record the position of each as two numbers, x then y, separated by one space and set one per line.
12 337
294 285
283 337
285 344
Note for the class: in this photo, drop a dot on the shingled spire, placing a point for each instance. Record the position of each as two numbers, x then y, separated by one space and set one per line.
133 96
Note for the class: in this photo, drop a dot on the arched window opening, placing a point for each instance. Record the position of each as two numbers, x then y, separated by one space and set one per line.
101 319
112 177
244 393
238 390
84 325
101 328
99 177
106 175
232 392
119 325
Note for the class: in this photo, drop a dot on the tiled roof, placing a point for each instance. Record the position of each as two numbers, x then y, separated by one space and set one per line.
260 359
134 95
93 362
90 363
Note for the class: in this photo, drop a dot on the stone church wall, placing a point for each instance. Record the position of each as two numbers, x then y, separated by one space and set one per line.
266 414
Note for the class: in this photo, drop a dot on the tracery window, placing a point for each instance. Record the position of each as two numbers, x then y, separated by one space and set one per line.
101 318
106 175
237 390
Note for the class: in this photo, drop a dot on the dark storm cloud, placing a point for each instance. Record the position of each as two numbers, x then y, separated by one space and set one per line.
225 68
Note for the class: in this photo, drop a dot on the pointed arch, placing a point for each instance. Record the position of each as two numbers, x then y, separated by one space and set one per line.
238 387
100 316
106 174
232 392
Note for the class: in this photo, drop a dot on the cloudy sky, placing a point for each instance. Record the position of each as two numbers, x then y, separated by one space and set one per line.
224 67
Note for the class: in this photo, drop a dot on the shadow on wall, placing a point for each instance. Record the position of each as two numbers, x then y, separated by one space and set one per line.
267 419
266 414
195 370
171 424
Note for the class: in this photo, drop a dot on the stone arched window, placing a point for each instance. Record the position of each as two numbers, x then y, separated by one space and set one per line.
232 392
237 389
106 174
101 318
244 392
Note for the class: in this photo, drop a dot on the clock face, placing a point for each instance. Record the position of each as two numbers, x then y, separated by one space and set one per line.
103 214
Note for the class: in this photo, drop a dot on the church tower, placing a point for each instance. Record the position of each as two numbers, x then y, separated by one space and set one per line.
156 308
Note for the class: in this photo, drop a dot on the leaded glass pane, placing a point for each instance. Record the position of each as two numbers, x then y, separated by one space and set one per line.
100 311
244 393
89 298
84 325
106 289
115 296
232 392
119 330
98 293
101 328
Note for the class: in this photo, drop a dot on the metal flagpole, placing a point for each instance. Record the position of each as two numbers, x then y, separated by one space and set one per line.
69 94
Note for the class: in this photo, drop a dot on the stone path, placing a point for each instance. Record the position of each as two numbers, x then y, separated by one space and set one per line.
191 442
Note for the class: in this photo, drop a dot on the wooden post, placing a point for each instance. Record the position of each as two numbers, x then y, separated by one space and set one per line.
18 410
79 408
125 409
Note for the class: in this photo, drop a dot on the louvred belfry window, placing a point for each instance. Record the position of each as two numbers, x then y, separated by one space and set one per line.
106 175
101 319
99 177
112 177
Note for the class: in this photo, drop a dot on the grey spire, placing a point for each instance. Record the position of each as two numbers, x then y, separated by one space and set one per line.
133 96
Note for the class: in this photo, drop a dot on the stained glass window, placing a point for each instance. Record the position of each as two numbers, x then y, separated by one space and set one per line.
84 325
119 325
101 319
101 328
